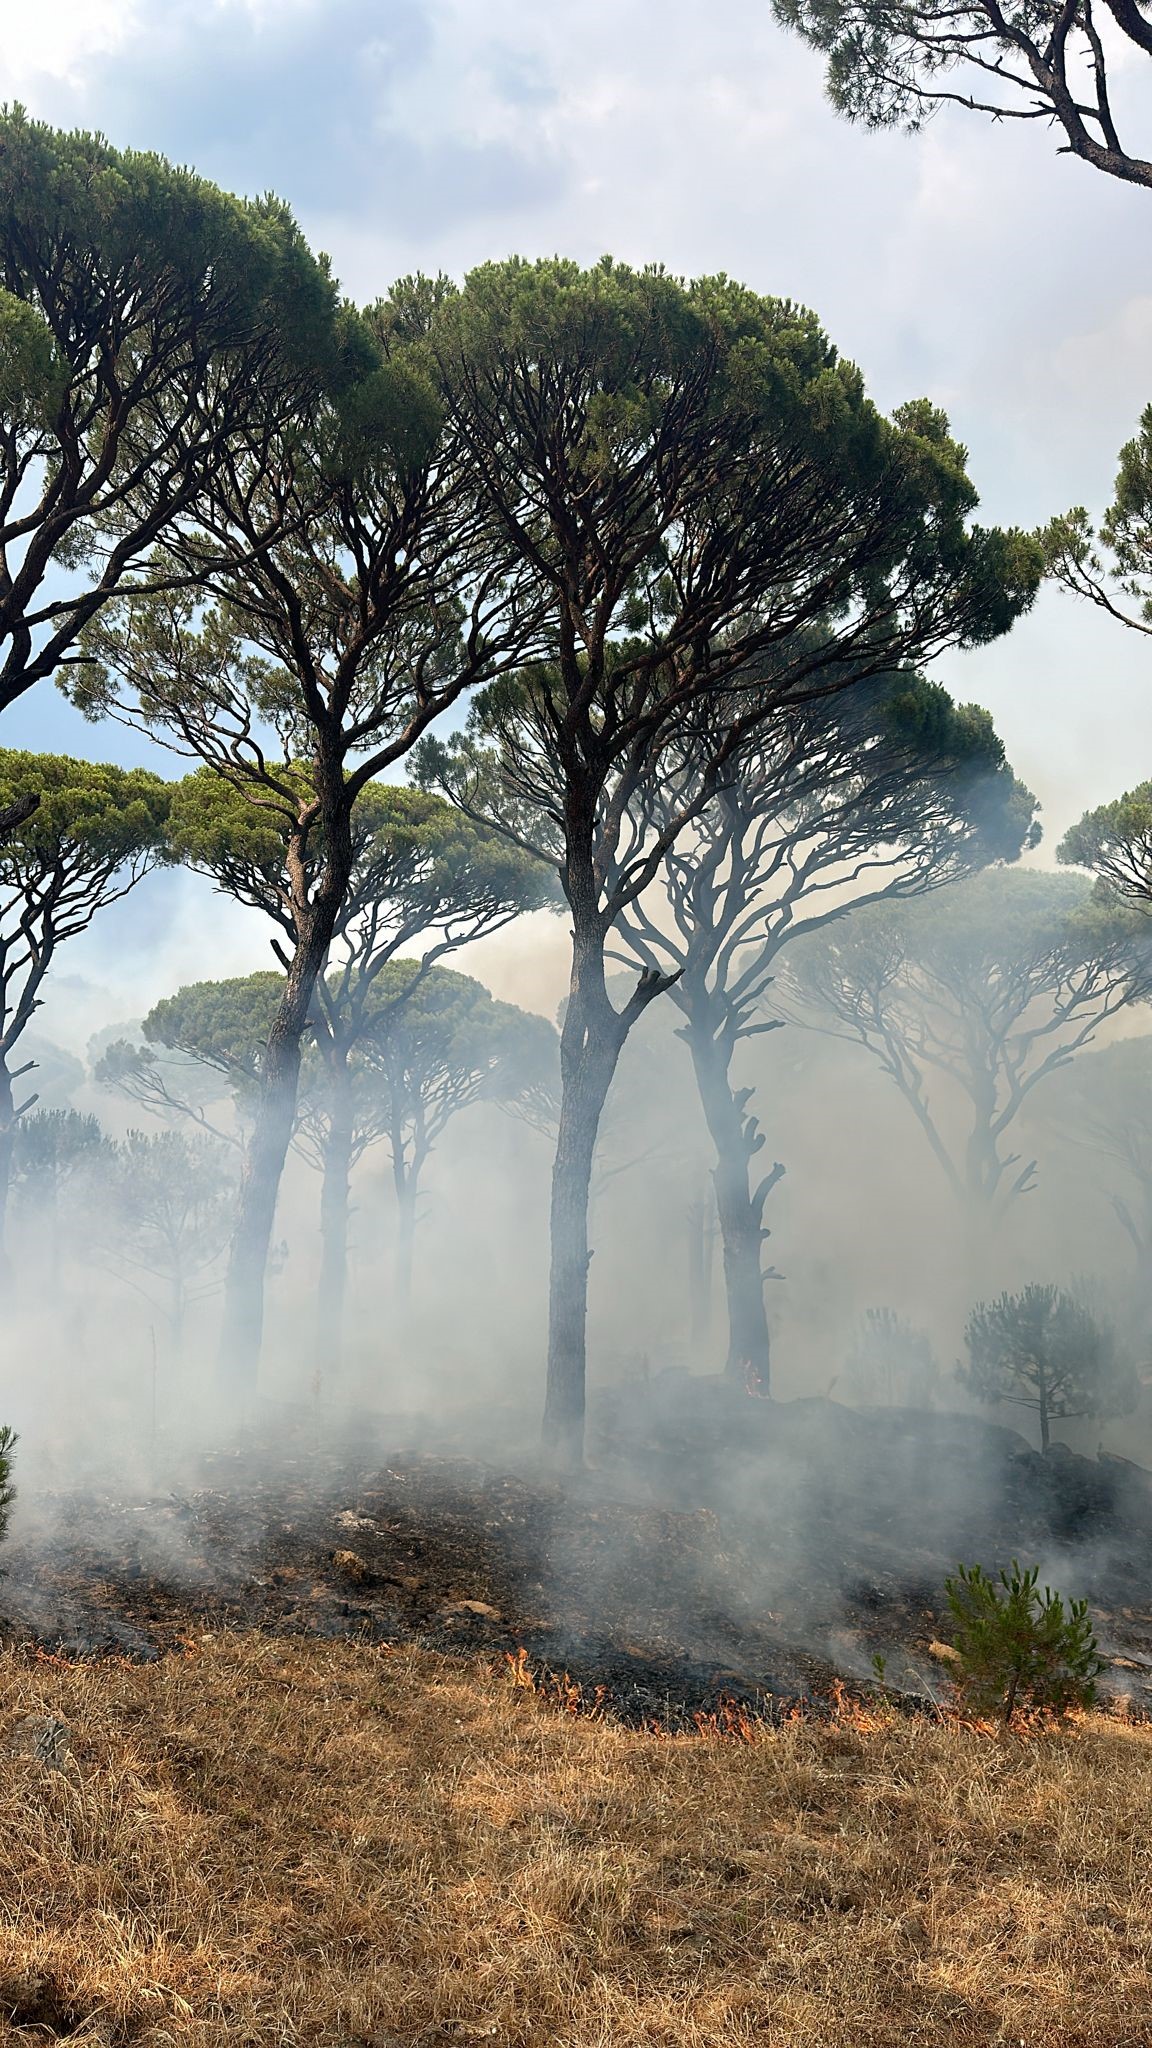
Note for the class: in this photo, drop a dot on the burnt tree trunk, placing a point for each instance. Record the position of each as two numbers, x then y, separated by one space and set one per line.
10 1114
591 1042
334 1208
260 1184
587 1078
700 1237
739 1206
409 1158
1042 1405
315 920
177 1309
406 1192
52 1210
991 1183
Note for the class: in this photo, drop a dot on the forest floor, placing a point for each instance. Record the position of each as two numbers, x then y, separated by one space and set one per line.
397 1743
658 1606
269 1841
695 1570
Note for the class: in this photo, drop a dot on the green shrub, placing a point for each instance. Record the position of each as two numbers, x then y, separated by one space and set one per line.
1021 1649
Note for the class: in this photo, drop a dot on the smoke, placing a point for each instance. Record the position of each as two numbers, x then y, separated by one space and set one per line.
862 1219
769 1541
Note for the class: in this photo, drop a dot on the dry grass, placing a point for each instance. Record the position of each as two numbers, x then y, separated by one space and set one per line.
295 1842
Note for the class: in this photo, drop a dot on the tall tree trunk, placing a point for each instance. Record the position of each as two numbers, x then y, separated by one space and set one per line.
739 1206
53 1206
700 1213
582 1102
243 1323
7 1147
334 1193
1143 1246
405 1182
406 1193
591 1040
177 1308
1045 1431
979 1241
409 1144
267 1150
983 1175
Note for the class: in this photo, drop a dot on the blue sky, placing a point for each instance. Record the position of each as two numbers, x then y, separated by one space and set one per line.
970 263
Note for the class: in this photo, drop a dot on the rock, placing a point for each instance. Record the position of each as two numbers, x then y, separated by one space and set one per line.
43 1737
480 1608
351 1566
349 1519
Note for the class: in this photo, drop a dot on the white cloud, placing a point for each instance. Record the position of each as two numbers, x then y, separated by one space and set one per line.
55 40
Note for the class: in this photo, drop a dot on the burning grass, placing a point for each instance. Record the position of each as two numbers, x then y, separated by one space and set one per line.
269 1842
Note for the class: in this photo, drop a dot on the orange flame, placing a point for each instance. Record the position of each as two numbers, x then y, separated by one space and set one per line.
728 1721
521 1670
866 1717
555 1688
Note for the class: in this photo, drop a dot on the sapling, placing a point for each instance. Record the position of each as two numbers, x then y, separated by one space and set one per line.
880 1690
1021 1649
1045 1350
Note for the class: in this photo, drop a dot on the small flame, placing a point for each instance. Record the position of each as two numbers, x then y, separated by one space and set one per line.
556 1688
521 1670
728 1721
864 1716
755 1380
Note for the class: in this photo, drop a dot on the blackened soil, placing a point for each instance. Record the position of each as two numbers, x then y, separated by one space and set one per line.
708 1554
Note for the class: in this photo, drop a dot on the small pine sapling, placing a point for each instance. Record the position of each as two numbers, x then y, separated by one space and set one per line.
880 1689
1021 1649
1042 1349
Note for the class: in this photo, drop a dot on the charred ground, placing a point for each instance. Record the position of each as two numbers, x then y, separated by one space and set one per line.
719 1546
